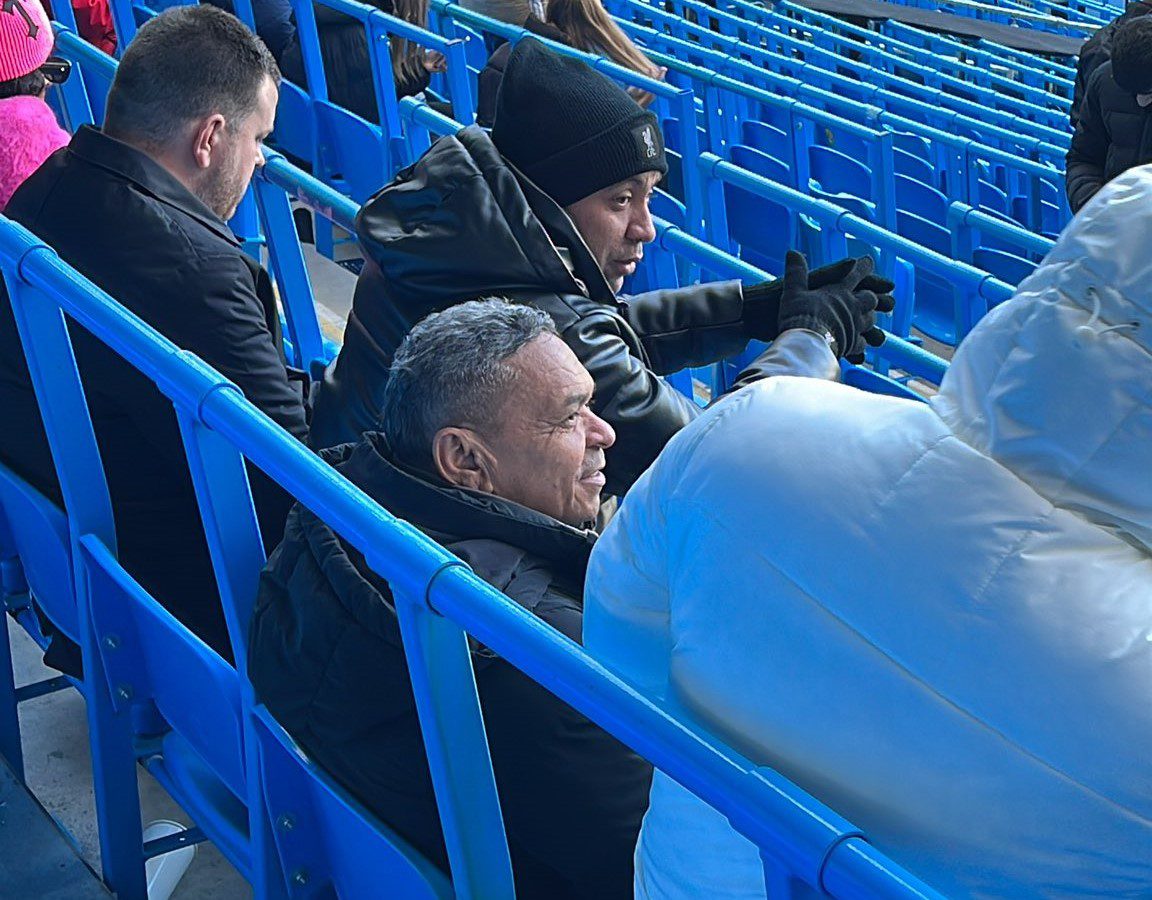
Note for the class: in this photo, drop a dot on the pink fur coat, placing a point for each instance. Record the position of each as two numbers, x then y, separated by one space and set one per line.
29 134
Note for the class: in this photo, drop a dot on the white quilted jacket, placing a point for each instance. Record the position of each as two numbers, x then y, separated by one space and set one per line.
936 618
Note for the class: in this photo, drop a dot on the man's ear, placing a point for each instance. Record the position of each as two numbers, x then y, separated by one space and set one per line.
462 458
206 138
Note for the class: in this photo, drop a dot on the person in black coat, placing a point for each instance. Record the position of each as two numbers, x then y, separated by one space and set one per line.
1097 50
344 51
553 210
488 444
140 209
1114 133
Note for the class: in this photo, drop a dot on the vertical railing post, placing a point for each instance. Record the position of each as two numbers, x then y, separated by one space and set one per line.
448 705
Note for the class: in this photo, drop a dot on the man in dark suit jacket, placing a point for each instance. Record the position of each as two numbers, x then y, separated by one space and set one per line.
140 209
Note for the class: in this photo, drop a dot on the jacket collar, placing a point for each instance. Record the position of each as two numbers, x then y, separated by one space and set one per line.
98 149
449 514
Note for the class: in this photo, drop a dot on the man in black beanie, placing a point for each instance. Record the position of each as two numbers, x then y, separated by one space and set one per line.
552 210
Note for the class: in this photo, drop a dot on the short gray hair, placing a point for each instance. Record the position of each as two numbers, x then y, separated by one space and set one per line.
450 371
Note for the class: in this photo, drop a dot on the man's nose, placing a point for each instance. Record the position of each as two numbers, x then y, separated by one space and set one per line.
599 433
641 229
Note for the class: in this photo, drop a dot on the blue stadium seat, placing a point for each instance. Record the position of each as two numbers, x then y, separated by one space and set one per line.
325 839
922 200
937 309
838 173
763 230
1008 267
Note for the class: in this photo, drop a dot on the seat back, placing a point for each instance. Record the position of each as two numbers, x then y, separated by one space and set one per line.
920 199
838 173
766 138
762 228
1008 267
917 167
145 649
937 311
324 837
38 531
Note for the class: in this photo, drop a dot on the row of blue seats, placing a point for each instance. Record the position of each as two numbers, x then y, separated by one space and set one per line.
1021 61
763 36
1028 190
911 62
745 223
1005 12
284 824
948 163
365 154
847 97
1041 78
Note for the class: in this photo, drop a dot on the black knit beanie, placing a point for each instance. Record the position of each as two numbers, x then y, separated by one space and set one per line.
568 128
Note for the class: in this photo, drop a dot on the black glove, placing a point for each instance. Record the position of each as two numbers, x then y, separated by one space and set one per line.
841 310
762 301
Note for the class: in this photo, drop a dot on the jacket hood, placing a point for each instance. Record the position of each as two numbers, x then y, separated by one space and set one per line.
462 201
1051 388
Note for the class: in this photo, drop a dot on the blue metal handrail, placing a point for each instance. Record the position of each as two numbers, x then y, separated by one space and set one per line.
963 155
752 38
439 600
989 122
847 36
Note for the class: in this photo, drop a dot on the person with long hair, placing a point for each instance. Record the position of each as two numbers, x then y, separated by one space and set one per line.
590 28
583 24
344 50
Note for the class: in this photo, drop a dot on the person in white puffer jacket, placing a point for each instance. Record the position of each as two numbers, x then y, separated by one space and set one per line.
935 617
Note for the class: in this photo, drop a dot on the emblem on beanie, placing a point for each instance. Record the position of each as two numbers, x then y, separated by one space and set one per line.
648 141
11 6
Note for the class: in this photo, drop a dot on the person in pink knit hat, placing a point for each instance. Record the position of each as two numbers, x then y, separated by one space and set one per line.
29 132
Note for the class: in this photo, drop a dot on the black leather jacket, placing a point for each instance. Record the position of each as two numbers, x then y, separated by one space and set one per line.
461 224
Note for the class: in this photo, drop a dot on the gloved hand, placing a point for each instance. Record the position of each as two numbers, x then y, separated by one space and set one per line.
840 309
762 301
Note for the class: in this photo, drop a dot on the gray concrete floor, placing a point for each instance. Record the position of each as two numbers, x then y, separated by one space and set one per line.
58 770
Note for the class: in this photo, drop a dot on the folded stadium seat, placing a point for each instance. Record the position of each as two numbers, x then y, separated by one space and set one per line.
838 173
767 139
774 117
992 199
850 145
905 163
936 312
763 229
345 850
35 562
1051 222
673 182
912 144
921 199
38 530
1008 267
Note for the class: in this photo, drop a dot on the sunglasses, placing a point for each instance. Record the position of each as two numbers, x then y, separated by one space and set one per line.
56 70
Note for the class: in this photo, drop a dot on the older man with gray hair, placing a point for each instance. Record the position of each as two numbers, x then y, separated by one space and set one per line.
489 445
